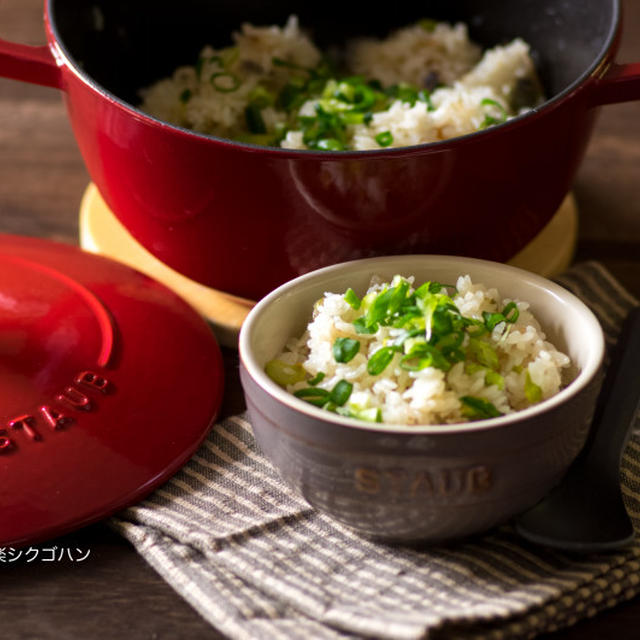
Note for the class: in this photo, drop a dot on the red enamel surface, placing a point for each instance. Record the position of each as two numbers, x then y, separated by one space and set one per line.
245 219
25 62
108 383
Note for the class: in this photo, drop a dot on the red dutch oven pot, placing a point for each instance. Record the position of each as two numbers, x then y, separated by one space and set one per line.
244 219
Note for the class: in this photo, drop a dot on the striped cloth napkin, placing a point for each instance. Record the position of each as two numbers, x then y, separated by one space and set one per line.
257 562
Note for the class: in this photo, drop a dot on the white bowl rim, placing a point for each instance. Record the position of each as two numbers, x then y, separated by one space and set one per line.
582 380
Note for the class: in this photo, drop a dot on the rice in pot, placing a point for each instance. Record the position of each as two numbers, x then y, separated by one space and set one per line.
424 83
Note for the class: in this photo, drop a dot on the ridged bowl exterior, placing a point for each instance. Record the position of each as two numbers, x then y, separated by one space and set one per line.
423 487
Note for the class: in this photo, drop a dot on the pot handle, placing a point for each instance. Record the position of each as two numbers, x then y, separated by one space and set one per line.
30 64
620 83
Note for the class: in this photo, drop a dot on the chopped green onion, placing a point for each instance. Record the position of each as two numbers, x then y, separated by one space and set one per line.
329 400
341 392
494 103
361 326
220 82
383 307
398 295
429 306
425 96
352 117
319 377
455 355
368 299
261 97
352 299
412 345
476 328
329 144
345 349
324 126
379 360
253 117
406 335
450 345
478 408
185 96
441 320
409 317
372 414
379 306
450 340
210 60
494 378
491 320
403 92
352 91
284 374
384 139
511 312
345 91
429 287
422 356
471 367
291 96
532 391
313 395
489 119
483 353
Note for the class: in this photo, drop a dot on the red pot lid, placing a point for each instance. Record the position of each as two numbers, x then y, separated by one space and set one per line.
108 384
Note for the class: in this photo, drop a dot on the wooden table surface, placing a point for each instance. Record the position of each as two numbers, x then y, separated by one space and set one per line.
114 593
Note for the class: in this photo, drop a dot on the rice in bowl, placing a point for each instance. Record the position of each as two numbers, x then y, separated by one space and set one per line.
424 83
408 355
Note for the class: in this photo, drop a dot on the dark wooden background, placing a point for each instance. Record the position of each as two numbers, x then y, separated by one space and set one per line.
114 593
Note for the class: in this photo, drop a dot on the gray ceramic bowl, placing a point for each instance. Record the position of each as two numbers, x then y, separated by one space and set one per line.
428 483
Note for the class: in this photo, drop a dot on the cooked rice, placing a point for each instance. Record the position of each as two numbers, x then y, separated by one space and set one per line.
411 54
251 60
421 55
430 395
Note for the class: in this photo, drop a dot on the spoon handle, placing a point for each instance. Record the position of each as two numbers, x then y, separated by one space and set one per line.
618 401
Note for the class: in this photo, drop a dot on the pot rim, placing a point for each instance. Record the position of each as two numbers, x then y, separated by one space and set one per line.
63 55
583 379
